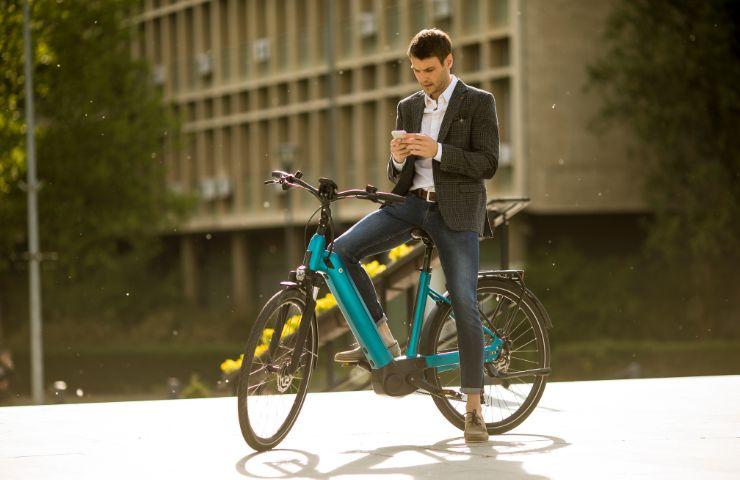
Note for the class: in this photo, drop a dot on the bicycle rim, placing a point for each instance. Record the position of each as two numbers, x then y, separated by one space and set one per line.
269 397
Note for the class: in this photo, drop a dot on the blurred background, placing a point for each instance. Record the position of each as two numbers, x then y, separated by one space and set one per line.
158 120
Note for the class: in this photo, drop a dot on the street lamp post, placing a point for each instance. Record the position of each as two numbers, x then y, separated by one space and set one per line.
37 358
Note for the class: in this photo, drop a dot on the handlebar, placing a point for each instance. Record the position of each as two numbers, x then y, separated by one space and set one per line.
287 180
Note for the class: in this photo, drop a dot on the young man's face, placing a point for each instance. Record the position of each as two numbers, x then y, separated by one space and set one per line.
432 75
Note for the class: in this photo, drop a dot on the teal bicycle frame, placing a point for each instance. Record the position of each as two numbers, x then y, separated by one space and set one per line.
330 266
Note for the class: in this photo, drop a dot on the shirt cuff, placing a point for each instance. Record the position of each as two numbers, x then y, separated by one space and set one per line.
438 156
399 166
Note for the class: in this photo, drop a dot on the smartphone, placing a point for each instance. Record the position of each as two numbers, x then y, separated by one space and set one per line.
398 133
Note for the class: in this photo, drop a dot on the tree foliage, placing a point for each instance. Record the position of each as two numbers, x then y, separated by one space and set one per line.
101 128
671 72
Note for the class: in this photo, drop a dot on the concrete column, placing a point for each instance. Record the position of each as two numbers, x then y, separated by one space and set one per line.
254 166
382 35
485 47
354 16
517 134
314 31
272 34
198 40
233 49
458 18
149 40
358 151
242 268
182 63
313 148
384 123
237 173
269 162
166 60
290 36
216 46
219 151
189 267
201 152
403 23
251 37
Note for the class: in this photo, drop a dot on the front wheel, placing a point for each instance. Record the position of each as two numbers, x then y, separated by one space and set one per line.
270 395
507 403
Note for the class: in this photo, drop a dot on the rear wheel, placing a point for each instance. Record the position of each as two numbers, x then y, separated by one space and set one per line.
269 395
507 403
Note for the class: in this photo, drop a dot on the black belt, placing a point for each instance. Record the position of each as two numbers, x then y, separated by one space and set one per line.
424 194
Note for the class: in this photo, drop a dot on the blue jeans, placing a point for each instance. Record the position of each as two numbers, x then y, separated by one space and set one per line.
458 251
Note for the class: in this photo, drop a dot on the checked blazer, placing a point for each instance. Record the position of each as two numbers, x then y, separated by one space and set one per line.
470 149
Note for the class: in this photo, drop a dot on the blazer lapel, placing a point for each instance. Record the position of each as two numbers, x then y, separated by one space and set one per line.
455 101
417 112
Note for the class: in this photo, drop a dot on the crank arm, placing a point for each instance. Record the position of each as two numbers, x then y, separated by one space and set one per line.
430 389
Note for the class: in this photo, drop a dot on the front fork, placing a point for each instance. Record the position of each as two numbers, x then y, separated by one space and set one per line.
307 315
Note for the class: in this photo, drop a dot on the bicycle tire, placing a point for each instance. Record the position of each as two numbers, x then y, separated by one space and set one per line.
433 338
254 388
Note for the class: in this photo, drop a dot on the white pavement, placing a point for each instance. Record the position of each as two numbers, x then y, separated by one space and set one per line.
651 428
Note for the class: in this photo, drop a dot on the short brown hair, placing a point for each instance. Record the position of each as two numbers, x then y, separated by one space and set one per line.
430 42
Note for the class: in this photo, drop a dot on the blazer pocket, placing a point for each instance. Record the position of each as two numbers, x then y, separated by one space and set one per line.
459 131
459 122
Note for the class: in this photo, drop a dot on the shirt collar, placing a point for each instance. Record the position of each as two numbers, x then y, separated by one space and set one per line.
444 98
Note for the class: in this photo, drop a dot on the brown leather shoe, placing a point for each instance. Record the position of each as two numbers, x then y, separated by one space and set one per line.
475 427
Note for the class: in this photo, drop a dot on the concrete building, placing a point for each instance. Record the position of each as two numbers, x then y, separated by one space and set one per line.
250 78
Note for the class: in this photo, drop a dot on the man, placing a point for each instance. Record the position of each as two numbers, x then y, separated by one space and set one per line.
452 145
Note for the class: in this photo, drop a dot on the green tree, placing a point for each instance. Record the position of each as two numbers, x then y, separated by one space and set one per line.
101 129
671 72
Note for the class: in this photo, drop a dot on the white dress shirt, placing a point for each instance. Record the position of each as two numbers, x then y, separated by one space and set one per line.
434 112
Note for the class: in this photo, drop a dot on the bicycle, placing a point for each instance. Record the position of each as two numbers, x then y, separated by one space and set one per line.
281 351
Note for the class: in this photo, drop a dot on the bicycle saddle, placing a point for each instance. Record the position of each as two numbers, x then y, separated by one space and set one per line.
420 234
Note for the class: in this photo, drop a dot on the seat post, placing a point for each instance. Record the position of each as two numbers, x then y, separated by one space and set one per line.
427 258
420 234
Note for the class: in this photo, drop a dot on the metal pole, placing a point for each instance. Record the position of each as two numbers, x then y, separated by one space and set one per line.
331 91
37 358
505 243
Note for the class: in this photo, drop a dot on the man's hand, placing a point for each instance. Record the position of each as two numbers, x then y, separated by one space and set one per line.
420 144
399 149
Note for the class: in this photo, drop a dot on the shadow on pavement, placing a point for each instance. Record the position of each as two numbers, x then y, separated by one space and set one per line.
438 460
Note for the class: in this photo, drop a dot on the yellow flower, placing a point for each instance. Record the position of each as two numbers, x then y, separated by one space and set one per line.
287 330
260 350
294 321
229 366
326 303
398 252
266 335
373 268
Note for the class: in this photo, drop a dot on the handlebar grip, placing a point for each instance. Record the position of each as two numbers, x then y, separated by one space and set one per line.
390 197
